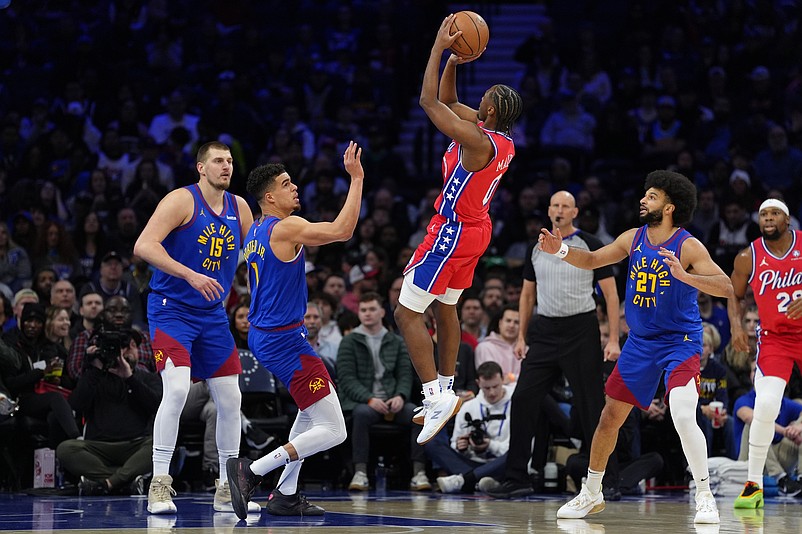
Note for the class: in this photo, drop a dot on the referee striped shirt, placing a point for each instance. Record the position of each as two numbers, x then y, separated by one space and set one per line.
562 289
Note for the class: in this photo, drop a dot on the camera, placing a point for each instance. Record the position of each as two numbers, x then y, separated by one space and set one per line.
110 344
477 426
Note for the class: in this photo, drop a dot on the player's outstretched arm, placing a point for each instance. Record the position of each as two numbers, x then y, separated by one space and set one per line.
174 210
584 259
697 269
298 230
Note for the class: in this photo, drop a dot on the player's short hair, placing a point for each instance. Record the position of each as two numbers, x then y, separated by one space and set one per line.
508 105
262 178
680 191
203 151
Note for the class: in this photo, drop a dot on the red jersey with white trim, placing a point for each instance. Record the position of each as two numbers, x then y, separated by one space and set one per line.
776 281
466 195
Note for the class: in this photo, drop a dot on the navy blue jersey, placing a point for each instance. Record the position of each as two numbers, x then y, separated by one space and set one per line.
656 303
208 244
278 288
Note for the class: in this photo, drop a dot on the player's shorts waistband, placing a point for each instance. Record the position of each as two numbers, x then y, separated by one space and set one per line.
280 328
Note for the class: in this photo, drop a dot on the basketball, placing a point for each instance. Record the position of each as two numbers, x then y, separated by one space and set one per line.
475 34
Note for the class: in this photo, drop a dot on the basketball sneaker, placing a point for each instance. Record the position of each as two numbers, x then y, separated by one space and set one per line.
160 495
437 413
420 482
295 504
243 483
706 509
583 504
222 499
420 415
360 482
751 496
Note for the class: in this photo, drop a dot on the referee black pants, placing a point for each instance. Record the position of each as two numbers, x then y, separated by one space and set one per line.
563 345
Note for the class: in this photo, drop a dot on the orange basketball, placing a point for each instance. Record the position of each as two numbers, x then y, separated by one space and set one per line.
475 34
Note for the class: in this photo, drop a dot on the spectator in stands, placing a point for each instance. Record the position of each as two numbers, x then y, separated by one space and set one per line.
498 345
375 380
35 364
779 166
54 249
15 266
474 322
715 313
734 231
21 298
327 305
118 401
91 245
325 349
713 387
91 306
569 126
110 282
43 280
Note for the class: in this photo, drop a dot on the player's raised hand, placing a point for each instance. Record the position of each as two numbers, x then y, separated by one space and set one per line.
445 39
208 287
549 242
352 160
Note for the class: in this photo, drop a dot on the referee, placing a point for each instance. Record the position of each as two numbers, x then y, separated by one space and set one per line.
564 339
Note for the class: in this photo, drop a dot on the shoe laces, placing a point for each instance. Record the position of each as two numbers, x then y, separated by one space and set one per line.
706 504
162 491
583 500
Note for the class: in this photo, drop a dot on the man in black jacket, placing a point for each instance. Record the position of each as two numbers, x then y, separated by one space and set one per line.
119 401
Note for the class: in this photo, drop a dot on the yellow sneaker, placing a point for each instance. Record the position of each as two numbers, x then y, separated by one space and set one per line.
751 497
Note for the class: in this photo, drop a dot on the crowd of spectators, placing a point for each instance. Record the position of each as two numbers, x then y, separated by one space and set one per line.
103 104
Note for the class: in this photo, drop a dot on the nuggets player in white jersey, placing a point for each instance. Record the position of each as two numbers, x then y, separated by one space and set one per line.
772 266
193 241
460 231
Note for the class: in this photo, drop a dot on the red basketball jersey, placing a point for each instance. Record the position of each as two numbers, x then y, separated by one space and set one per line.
466 195
776 282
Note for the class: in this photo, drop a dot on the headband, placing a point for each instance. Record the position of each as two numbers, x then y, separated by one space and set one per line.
774 203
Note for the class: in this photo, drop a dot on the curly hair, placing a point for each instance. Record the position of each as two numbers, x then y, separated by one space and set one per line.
680 191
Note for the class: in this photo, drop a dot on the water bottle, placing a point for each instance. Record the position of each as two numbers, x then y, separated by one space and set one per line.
381 476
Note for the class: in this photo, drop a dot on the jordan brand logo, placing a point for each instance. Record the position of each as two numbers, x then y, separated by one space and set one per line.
686 338
201 213
764 263
637 249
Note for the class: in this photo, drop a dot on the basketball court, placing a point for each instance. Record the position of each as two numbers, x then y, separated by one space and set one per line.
393 512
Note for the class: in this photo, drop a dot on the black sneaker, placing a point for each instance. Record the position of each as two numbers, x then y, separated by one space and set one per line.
256 438
243 483
138 486
295 504
789 487
511 489
88 487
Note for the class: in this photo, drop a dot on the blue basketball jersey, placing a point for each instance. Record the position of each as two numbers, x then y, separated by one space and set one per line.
278 288
656 303
208 244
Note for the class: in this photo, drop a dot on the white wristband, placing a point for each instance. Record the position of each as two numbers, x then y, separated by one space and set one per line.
563 252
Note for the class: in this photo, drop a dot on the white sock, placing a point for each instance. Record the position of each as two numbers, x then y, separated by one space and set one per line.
594 481
446 382
288 482
268 462
431 390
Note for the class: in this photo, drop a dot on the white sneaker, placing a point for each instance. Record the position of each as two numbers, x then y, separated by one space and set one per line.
579 526
437 413
160 495
420 415
359 482
488 484
420 482
706 509
451 484
583 504
222 499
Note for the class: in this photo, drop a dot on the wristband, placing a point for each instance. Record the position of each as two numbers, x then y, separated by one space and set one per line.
563 252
